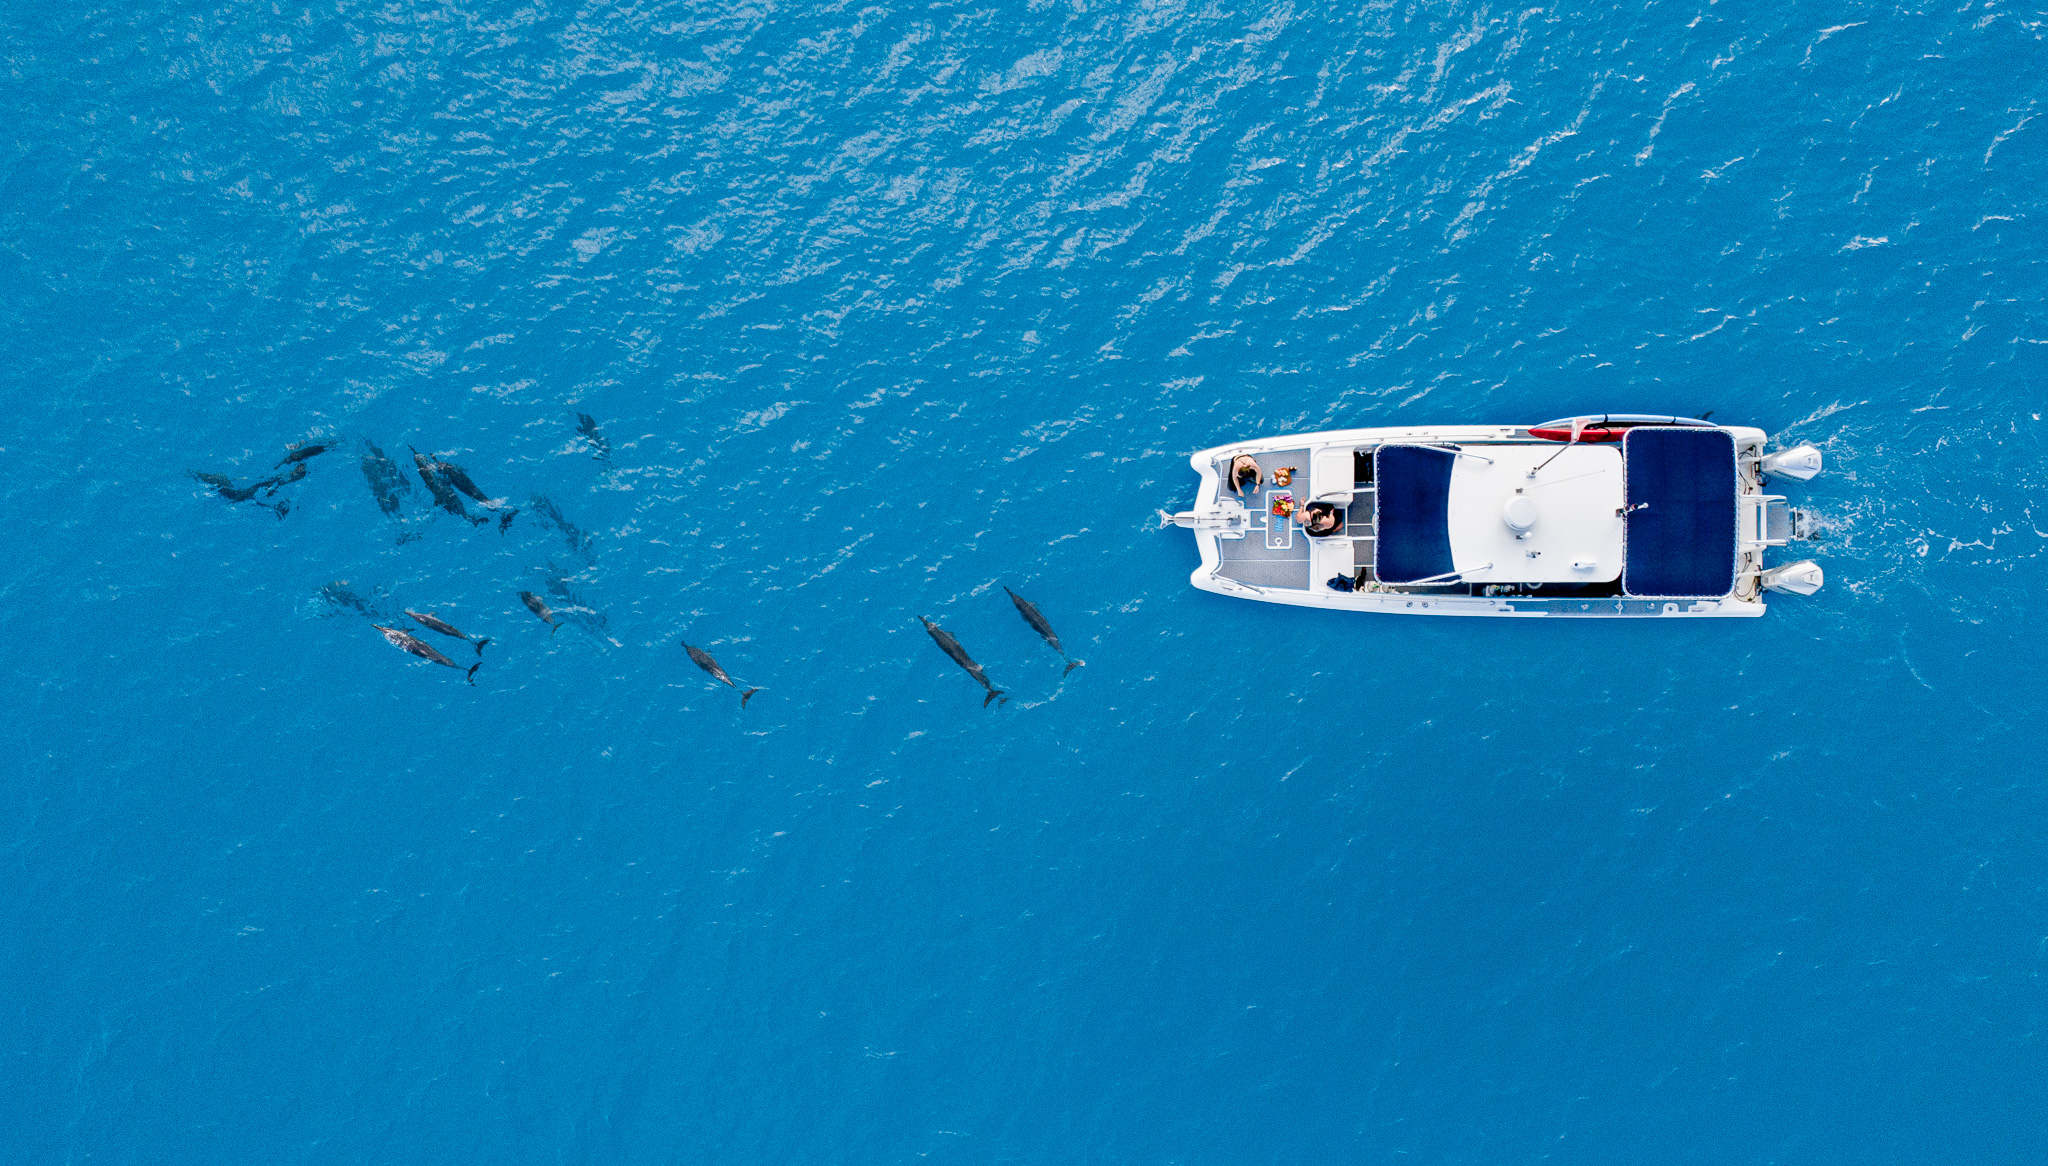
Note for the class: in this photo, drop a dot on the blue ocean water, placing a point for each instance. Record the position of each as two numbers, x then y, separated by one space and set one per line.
882 308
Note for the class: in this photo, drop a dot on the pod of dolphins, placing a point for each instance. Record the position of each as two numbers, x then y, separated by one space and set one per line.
448 484
1032 616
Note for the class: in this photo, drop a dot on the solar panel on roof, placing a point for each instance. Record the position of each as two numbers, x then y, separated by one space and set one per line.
1414 484
1681 520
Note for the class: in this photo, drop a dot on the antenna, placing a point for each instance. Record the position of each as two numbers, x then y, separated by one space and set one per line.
1578 424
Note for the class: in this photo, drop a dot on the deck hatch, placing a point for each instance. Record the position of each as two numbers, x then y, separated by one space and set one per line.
1681 517
1412 519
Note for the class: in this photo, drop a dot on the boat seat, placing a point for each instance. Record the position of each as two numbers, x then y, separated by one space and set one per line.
1330 556
1330 474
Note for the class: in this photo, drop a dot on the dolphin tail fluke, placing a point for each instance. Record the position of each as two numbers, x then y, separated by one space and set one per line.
992 694
555 628
480 645
745 695
471 674
1071 665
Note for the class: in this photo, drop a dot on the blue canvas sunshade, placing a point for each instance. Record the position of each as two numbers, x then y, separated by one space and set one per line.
1413 525
1682 544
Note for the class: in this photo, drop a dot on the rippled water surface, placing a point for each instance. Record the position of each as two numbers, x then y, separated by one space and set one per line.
880 309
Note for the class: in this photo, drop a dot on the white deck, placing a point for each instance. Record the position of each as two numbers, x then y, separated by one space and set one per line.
1577 498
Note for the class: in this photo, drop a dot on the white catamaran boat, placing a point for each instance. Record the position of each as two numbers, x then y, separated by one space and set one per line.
1609 516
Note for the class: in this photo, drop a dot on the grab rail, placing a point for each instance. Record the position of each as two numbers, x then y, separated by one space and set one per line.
1437 580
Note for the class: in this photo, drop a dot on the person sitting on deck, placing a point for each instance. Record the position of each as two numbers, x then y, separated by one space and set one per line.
1321 520
1244 475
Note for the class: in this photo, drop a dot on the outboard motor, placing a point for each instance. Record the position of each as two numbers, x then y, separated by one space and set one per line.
1801 462
1801 578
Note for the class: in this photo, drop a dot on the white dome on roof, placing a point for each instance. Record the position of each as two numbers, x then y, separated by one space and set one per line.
1519 512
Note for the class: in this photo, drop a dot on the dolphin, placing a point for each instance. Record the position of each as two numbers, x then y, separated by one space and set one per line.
443 496
704 661
434 623
405 641
458 477
1032 616
305 451
534 605
385 479
386 482
338 596
599 447
455 476
298 472
959 654
227 489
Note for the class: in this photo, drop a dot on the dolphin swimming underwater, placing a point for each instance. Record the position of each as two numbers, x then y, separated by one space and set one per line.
303 452
1036 619
443 496
405 641
599 447
959 654
432 622
457 477
536 606
227 489
704 661
338 597
298 472
387 482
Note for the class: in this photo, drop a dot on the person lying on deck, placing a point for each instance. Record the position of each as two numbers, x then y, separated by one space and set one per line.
1244 475
1320 520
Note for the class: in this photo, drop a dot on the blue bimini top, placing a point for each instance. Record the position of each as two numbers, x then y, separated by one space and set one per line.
1682 544
1413 525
